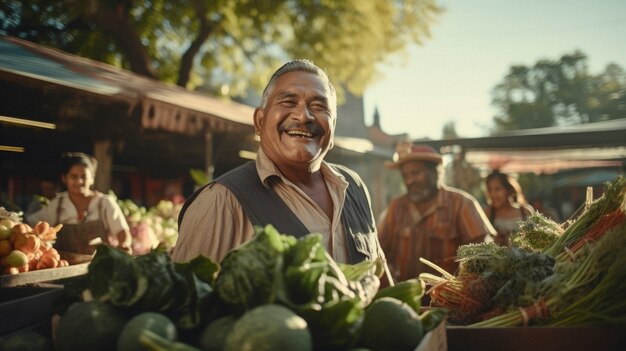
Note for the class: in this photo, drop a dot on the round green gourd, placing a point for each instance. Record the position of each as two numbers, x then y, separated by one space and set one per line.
389 324
269 328
90 326
213 337
155 322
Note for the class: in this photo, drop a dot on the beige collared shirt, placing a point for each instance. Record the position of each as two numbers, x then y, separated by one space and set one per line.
215 222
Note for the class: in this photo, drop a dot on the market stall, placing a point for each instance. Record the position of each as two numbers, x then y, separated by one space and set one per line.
558 286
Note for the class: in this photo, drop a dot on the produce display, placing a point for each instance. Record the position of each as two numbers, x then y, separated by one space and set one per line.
274 292
156 226
552 275
23 248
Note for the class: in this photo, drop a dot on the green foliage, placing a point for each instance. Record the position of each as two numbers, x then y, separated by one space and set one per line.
250 272
408 291
537 233
226 46
199 176
152 282
558 92
300 274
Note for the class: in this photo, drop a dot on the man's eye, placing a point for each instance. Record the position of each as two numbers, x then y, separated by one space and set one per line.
288 103
320 107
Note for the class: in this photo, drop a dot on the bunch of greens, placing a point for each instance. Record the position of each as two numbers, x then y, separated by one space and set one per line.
587 290
515 280
275 268
475 259
537 233
610 201
496 278
331 301
251 275
153 282
271 268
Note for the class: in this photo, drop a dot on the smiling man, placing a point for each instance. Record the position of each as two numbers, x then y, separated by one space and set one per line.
289 185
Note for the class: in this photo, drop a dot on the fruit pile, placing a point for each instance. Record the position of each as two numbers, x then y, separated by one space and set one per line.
23 248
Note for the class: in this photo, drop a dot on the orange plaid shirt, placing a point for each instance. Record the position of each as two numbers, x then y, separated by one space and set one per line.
406 234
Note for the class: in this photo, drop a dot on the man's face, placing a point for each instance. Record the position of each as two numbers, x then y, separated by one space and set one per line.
297 125
420 180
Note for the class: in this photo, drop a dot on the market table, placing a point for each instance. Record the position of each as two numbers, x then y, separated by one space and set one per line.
43 275
28 299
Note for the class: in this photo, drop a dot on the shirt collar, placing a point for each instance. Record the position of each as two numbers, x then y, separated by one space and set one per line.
267 169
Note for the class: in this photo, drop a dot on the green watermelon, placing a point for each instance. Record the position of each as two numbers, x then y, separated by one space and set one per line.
269 327
93 326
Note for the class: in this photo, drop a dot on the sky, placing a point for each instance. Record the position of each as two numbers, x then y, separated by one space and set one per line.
473 44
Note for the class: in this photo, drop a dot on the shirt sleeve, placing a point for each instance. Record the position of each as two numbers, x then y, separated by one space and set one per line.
213 225
474 226
113 215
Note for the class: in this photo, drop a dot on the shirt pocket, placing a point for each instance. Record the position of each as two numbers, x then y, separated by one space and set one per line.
442 241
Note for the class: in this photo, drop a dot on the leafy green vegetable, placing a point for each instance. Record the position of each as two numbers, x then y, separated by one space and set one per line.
319 291
537 233
408 291
610 201
153 282
249 272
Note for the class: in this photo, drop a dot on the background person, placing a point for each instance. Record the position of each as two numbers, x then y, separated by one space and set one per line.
289 185
47 191
88 216
431 220
506 205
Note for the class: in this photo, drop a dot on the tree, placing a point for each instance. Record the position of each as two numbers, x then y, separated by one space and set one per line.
560 92
225 46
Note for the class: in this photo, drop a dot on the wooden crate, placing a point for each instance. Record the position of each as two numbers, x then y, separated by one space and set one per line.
536 339
28 307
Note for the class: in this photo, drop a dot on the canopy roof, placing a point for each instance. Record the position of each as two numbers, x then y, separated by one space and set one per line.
163 106
545 150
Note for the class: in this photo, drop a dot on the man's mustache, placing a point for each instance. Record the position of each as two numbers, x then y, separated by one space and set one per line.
309 127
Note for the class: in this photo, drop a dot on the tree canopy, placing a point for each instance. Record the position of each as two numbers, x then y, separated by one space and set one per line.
559 92
226 46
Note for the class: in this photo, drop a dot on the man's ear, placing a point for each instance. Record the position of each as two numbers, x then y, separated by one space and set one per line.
259 115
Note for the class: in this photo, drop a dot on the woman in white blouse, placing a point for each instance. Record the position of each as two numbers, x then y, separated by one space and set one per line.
507 205
88 217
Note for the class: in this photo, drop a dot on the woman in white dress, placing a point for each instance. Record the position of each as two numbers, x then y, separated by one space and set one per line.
507 205
88 216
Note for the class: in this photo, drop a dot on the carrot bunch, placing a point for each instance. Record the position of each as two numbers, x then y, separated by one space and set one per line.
26 248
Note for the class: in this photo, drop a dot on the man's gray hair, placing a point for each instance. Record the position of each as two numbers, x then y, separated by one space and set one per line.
301 65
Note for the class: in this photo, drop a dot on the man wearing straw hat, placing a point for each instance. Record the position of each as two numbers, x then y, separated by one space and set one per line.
431 220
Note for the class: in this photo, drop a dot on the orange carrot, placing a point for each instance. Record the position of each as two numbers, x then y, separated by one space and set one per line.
603 224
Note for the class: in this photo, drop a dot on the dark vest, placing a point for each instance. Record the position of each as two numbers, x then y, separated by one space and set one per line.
263 206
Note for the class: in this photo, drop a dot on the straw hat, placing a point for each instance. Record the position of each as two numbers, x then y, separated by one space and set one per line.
407 151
